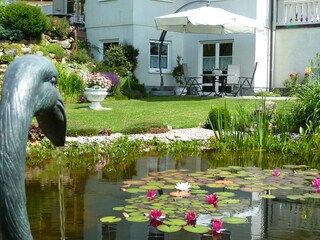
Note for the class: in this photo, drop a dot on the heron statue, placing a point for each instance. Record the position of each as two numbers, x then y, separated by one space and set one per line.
28 90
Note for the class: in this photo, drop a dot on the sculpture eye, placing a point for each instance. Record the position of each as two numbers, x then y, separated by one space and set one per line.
53 80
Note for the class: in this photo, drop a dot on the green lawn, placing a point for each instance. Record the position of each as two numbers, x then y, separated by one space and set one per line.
178 112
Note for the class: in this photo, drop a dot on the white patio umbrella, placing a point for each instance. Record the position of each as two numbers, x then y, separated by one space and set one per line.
207 20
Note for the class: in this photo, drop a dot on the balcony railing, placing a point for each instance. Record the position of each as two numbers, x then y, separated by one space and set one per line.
298 12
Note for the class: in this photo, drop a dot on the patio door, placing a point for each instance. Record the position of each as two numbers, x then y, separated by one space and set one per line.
215 55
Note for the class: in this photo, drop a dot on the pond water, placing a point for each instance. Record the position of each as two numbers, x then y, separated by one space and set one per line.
90 195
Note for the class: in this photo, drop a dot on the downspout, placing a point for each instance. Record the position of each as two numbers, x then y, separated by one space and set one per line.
163 36
271 44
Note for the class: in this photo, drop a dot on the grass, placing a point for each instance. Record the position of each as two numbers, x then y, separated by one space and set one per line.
178 112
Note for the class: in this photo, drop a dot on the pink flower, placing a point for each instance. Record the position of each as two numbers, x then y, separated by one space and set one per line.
316 183
212 199
151 194
276 173
156 214
216 225
191 218
155 223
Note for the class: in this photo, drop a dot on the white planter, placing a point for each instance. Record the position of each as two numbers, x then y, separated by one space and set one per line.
95 96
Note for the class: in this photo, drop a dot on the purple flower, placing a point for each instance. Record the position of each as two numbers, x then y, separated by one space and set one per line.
113 77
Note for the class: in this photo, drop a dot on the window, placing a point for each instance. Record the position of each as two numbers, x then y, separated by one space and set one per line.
154 48
108 45
217 55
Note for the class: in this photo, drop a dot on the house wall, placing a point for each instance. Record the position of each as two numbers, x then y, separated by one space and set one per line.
132 21
294 48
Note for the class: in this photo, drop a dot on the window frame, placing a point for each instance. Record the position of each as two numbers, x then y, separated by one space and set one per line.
168 65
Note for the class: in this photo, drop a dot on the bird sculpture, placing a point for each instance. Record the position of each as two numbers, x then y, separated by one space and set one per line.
28 90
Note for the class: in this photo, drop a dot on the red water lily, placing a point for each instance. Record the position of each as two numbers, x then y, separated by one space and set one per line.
276 173
212 199
191 218
155 223
151 194
216 225
155 214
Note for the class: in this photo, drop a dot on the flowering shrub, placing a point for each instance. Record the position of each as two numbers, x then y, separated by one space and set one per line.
114 78
98 80
292 84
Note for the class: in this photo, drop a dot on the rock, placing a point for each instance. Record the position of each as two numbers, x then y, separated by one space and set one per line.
26 50
11 52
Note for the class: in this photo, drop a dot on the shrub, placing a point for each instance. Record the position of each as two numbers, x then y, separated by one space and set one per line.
131 88
26 18
80 56
11 34
115 61
53 48
218 118
131 54
60 27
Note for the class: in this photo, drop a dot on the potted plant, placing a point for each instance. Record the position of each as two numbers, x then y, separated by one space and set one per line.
177 73
98 85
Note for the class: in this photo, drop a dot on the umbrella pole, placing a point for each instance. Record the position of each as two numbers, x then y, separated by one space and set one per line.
163 36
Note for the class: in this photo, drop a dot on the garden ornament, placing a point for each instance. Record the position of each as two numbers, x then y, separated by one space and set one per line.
29 89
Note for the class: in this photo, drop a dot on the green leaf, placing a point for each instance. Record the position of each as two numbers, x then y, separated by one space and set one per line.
169 229
137 219
234 220
196 229
110 219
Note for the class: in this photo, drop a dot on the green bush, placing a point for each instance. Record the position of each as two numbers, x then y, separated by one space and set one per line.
80 56
131 54
115 61
11 34
6 59
26 18
218 118
70 84
60 27
131 88
55 49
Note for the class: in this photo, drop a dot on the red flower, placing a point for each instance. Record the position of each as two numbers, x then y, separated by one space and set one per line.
291 75
216 225
212 199
191 218
151 194
156 214
155 223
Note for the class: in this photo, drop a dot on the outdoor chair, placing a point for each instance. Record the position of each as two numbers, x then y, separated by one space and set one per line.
233 76
191 82
246 81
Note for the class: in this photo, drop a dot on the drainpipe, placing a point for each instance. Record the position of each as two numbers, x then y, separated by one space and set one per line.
164 33
271 67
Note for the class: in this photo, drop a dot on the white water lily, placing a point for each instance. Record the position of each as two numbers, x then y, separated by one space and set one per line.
183 186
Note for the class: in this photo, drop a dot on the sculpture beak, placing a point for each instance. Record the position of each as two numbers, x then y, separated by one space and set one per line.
53 123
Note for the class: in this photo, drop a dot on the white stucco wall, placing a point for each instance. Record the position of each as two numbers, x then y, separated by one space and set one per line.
132 21
293 50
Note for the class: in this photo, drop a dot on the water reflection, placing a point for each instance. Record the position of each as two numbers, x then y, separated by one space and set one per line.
91 195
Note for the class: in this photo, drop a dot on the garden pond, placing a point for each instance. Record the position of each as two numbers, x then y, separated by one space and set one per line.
111 203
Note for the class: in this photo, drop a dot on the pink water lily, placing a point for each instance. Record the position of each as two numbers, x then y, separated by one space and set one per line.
276 173
191 218
212 199
155 214
316 183
216 225
151 194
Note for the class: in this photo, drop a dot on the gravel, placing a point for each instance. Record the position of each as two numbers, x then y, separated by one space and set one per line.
186 134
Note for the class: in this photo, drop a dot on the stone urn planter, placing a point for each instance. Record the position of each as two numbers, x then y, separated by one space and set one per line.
95 96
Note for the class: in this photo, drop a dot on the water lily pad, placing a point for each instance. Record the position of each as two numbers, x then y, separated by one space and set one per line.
234 220
252 189
169 229
118 208
268 196
135 190
110 219
196 229
150 187
215 185
176 222
137 219
295 197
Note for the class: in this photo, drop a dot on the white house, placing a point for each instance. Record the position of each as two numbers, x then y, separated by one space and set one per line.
287 43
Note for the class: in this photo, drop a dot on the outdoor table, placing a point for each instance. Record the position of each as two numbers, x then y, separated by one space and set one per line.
218 77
